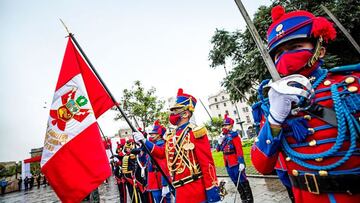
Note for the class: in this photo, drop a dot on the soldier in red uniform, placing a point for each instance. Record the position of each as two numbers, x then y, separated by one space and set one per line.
230 144
119 176
188 155
321 158
155 181
128 169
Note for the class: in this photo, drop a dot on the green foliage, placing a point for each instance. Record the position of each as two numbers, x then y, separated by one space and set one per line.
214 126
8 169
238 48
218 159
142 104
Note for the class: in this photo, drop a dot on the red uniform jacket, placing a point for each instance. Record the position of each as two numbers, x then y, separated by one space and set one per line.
320 138
232 149
192 158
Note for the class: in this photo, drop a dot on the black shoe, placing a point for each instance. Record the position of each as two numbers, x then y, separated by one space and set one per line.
245 192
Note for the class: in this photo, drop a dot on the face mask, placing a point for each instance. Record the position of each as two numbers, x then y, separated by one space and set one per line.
225 131
291 62
174 118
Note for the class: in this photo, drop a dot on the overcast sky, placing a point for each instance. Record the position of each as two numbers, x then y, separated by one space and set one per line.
164 44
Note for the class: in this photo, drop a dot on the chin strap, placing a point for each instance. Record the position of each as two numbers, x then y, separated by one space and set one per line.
316 54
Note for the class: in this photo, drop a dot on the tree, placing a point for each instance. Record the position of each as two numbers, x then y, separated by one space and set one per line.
239 49
214 126
141 104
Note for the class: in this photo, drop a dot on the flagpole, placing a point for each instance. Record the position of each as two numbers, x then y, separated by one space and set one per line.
71 35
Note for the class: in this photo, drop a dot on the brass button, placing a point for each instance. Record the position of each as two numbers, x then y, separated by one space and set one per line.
295 172
323 173
268 142
349 80
288 159
327 82
352 89
312 143
319 159
312 130
307 117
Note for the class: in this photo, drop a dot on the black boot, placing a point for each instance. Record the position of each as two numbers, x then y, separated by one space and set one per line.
291 194
241 192
245 192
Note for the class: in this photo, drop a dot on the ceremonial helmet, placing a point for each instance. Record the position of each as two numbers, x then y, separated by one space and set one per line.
297 25
227 120
157 130
129 143
184 101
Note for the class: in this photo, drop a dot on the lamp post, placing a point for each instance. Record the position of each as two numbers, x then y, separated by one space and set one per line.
243 133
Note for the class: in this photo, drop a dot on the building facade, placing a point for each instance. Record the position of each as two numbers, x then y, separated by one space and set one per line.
220 104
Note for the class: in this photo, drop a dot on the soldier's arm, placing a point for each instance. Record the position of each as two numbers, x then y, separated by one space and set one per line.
157 151
206 162
265 150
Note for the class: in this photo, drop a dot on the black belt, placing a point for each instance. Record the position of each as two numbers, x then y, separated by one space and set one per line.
327 184
186 180
231 152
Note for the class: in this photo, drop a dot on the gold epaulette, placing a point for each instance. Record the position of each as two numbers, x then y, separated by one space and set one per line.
199 132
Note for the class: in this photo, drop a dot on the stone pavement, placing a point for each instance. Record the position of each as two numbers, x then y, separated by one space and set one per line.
265 190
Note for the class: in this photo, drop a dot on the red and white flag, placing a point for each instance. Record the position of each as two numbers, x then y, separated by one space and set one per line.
74 159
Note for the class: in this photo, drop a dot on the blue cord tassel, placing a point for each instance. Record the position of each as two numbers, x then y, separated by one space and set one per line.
256 112
299 128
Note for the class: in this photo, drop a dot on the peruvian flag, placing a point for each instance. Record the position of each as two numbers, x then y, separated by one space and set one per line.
74 159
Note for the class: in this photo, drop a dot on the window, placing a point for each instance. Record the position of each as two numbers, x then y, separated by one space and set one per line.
223 97
215 99
125 132
227 112
219 115
217 106
245 109
225 104
237 120
235 112
248 120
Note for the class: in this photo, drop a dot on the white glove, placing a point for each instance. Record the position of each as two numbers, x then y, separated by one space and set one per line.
280 106
165 190
115 159
221 138
138 137
241 167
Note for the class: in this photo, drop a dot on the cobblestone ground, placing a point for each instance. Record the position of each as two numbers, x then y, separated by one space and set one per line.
265 190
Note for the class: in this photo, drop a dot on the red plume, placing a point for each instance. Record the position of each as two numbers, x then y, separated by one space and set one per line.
323 27
180 92
277 12
157 122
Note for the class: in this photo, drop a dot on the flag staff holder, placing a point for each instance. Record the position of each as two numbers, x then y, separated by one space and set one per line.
71 35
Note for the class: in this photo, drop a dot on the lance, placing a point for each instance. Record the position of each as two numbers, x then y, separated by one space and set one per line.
71 35
211 119
323 113
106 139
342 28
